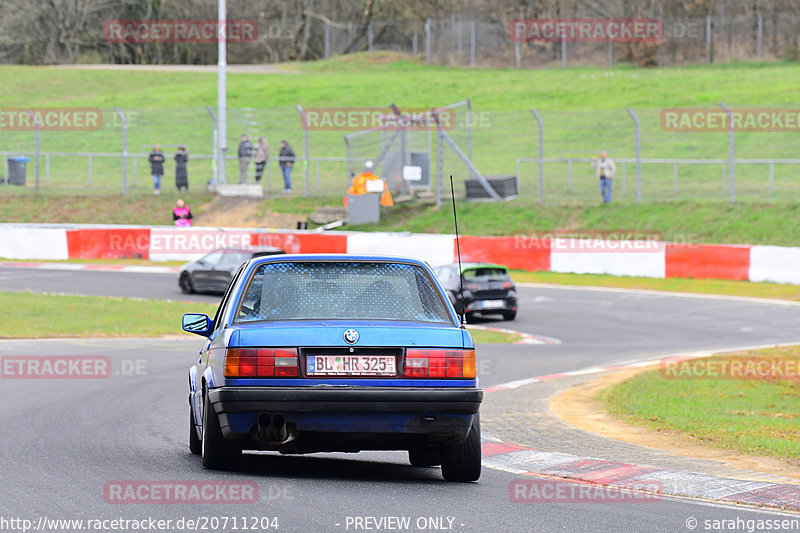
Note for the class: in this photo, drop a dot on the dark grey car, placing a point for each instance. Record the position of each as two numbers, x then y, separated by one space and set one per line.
488 289
213 272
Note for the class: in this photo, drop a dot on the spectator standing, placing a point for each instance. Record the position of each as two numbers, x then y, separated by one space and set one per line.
286 162
605 169
181 214
156 167
181 174
262 153
245 153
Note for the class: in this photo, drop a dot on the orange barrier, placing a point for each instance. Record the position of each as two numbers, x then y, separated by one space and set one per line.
302 243
707 261
513 252
102 243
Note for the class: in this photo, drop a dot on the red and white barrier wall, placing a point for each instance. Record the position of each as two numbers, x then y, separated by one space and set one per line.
629 258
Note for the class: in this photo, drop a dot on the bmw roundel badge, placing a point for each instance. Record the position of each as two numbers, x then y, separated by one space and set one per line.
351 336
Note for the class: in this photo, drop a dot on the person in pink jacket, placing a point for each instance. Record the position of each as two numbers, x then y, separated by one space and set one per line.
181 214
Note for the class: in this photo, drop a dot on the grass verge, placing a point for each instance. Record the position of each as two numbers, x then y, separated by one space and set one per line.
757 417
51 315
39 316
778 291
482 336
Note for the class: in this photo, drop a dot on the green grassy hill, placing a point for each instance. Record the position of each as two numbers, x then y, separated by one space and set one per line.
583 111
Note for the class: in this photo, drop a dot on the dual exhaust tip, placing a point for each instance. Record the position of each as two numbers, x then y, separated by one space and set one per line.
272 428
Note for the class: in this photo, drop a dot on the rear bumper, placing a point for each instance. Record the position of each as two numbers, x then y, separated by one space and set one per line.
475 305
357 413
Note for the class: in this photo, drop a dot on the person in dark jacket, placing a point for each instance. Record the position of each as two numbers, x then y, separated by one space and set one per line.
181 174
286 162
245 153
156 167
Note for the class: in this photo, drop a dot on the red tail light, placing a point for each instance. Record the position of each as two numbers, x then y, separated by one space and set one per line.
437 363
507 285
261 362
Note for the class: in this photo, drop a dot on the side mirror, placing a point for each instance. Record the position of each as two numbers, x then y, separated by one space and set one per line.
197 323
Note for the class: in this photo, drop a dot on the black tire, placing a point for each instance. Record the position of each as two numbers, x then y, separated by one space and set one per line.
217 453
424 457
185 283
195 446
509 315
462 462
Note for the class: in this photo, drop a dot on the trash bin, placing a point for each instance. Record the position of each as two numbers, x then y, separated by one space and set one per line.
16 170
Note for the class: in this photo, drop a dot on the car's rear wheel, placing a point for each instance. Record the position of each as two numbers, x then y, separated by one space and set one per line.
195 446
217 453
185 283
509 315
424 457
462 462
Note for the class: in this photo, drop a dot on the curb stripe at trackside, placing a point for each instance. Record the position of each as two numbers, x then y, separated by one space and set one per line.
754 263
520 460
511 458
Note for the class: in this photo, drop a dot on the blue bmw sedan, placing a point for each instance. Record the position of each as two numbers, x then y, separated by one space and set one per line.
335 353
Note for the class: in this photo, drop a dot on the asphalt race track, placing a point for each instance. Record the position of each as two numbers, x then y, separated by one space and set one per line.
64 441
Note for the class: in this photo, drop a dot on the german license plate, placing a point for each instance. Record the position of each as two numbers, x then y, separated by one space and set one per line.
492 304
351 365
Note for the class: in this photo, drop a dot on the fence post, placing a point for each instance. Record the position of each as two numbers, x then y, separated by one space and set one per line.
709 59
305 146
369 36
518 54
731 152
624 175
428 41
328 39
724 177
675 178
541 155
472 42
124 125
415 44
47 169
569 177
771 176
215 144
36 146
760 36
638 155
469 132
564 50
459 35
610 53
439 154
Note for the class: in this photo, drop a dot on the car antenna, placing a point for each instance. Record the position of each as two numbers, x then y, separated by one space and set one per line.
463 315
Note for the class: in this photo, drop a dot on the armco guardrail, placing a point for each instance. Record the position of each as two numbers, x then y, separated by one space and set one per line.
646 258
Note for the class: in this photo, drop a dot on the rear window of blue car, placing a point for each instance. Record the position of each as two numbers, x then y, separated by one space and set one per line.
330 290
